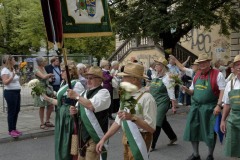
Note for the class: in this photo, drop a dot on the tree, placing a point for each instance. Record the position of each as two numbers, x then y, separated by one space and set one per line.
156 18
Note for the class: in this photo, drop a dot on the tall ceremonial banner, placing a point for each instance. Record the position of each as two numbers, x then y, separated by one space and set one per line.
85 18
53 22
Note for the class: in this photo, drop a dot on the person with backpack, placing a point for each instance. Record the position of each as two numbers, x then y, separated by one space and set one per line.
207 91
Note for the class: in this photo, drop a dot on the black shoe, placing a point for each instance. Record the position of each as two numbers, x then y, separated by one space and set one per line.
192 157
210 157
171 142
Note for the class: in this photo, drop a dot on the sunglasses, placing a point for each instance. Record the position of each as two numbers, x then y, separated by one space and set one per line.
91 78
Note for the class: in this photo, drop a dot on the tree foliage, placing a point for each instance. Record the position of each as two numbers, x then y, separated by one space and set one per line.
156 18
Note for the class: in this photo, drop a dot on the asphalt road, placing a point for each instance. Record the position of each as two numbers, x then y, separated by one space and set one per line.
43 148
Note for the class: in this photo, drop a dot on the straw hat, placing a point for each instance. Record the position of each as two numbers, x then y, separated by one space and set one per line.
96 71
195 62
133 70
203 57
236 59
162 60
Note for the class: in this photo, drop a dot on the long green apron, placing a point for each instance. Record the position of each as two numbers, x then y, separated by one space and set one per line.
159 92
200 120
64 125
232 148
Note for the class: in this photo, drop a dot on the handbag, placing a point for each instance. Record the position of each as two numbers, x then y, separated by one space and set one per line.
74 145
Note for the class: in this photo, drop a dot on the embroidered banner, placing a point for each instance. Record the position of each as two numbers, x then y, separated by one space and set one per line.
85 18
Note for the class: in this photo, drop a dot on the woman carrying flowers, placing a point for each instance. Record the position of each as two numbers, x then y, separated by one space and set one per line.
11 93
43 77
64 122
162 90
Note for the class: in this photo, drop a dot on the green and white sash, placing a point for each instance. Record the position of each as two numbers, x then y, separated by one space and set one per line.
93 127
135 140
63 91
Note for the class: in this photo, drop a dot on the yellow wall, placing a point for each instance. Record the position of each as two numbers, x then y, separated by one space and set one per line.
212 43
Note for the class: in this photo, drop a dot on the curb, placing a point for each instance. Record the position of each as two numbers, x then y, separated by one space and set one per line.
27 135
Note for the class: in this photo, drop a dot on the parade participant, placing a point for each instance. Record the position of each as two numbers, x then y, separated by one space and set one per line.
92 113
64 123
81 70
54 68
11 94
163 93
144 121
231 113
43 77
207 90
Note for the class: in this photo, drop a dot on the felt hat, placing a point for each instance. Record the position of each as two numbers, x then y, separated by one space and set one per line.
133 70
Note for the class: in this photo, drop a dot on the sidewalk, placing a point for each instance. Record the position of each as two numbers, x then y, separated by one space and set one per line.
29 124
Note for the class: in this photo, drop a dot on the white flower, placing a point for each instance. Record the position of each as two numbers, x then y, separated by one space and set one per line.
33 83
128 87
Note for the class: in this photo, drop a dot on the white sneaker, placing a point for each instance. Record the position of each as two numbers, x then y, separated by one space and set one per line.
180 104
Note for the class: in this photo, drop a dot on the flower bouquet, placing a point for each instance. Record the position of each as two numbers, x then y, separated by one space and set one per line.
23 72
126 99
37 87
175 80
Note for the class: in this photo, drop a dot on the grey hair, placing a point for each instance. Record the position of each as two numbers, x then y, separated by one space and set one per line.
80 66
40 60
114 63
103 63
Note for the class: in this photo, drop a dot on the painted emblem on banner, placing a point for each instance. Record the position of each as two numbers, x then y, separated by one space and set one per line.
85 11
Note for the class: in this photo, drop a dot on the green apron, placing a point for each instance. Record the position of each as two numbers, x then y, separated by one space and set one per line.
159 92
64 125
200 120
232 147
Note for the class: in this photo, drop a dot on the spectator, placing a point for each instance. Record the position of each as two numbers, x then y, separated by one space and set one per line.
92 111
62 145
81 70
107 83
231 114
11 94
151 73
144 121
43 77
115 84
54 69
163 93
207 91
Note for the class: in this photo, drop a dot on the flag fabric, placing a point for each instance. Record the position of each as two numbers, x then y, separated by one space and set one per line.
217 127
53 22
85 18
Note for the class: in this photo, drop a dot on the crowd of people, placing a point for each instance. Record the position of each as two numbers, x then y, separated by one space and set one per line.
83 111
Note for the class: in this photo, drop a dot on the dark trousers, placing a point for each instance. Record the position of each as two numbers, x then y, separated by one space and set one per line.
166 128
13 99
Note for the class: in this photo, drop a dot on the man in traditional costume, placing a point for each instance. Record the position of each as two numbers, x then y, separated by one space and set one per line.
230 123
138 128
92 112
207 90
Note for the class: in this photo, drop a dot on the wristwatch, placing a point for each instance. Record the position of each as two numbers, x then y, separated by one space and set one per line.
77 98
134 119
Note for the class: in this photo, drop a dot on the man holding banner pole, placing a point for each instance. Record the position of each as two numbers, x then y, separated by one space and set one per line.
92 111
138 128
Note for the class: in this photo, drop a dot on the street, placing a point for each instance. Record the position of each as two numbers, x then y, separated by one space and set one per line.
43 148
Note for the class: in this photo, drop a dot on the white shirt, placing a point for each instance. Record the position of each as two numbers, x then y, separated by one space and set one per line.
14 84
101 100
79 88
149 109
236 85
189 72
168 82
220 82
